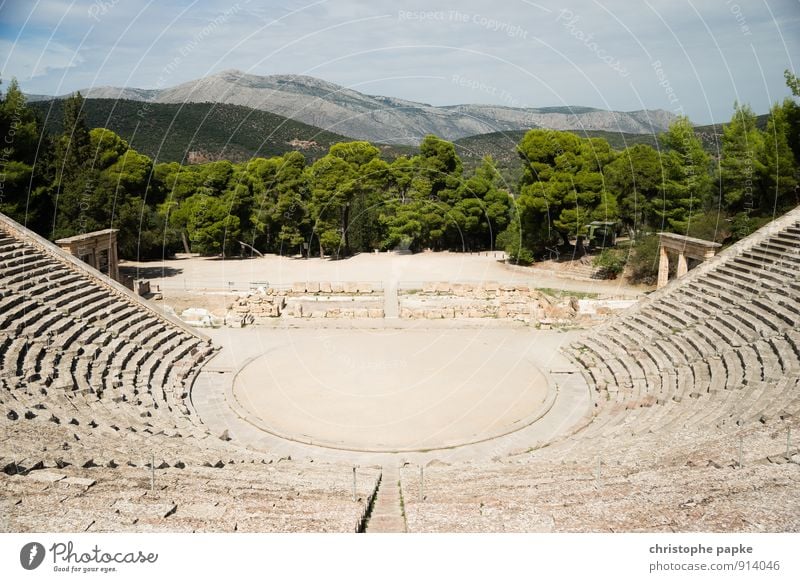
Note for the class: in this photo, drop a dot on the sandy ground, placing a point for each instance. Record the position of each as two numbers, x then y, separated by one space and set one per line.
393 389
176 276
366 383
452 387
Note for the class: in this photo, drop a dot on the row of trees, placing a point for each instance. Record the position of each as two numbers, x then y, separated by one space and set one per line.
352 200
680 188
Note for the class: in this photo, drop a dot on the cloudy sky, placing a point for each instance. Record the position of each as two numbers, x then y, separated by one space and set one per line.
687 56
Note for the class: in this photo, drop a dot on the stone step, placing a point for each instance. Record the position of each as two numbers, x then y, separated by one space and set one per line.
387 513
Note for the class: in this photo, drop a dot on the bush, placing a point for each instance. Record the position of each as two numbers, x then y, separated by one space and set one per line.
511 241
644 261
520 256
743 225
611 263
711 226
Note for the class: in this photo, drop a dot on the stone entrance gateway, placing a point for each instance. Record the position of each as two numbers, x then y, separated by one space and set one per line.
97 249
685 247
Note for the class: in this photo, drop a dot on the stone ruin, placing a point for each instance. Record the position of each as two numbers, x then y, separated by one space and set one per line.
307 299
510 301
434 300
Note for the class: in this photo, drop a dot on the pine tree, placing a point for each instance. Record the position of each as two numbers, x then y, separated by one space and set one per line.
686 188
741 164
779 174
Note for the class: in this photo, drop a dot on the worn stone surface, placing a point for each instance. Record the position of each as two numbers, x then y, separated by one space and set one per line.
692 390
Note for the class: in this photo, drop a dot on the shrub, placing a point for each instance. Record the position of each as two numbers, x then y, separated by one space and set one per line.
511 241
611 263
644 260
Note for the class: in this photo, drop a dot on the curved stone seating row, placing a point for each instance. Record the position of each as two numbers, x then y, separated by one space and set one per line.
88 364
270 496
94 393
711 350
642 483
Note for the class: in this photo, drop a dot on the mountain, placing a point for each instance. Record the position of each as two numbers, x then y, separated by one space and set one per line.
381 119
197 132
711 135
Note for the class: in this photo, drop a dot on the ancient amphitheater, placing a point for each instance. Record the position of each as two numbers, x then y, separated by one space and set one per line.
679 414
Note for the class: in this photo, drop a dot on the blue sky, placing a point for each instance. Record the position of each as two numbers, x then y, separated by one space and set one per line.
694 57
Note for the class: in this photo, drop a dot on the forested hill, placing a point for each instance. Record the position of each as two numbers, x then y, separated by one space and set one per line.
196 132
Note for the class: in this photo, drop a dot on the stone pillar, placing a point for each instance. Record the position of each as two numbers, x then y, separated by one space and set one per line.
663 267
113 259
683 266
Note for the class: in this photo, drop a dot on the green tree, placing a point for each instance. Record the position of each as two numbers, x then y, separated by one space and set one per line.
340 179
438 164
635 177
741 162
75 174
73 149
24 160
280 210
780 168
792 82
686 189
482 210
562 186
207 220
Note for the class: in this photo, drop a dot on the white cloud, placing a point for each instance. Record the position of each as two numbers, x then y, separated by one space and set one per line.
412 48
32 58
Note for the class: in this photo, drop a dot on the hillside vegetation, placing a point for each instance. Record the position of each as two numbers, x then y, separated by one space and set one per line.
357 197
169 132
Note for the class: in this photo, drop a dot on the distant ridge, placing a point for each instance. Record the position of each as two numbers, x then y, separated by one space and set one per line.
375 118
196 132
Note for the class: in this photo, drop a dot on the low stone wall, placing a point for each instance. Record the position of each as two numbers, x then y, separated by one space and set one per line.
308 299
435 300
444 300
334 312
331 288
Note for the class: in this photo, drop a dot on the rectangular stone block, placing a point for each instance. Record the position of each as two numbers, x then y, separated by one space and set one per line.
298 287
325 287
337 287
79 481
312 287
45 476
350 287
